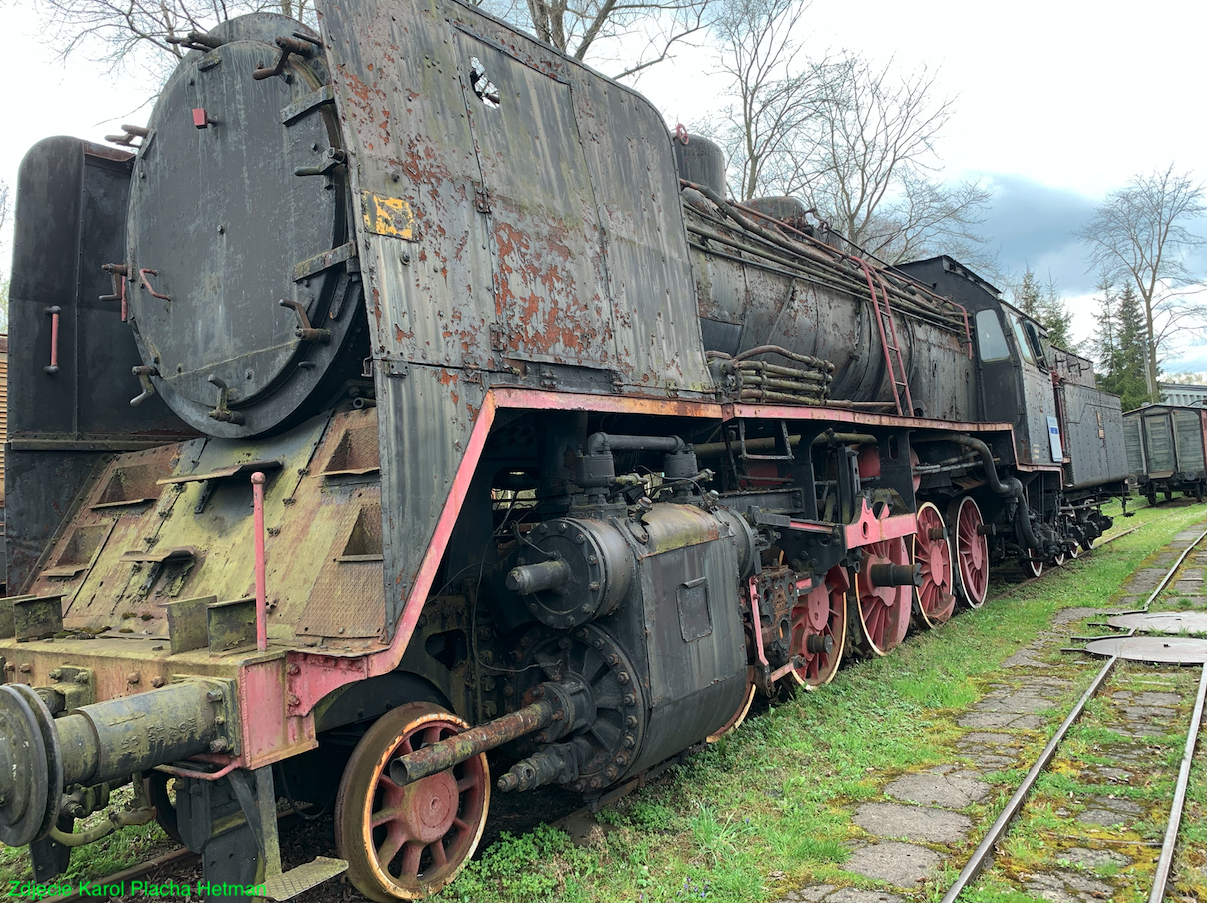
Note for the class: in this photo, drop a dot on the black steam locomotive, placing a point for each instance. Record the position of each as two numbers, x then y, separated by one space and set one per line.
468 416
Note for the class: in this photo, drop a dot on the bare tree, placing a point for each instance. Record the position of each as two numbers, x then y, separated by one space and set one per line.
606 31
855 141
875 168
1140 236
115 30
765 132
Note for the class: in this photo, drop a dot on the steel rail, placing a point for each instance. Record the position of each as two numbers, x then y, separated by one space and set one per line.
997 830
1165 862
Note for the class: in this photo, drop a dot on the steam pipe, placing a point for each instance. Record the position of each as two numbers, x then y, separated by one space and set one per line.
599 443
1012 486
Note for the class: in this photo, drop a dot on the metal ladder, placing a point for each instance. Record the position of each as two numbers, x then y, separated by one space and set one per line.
889 342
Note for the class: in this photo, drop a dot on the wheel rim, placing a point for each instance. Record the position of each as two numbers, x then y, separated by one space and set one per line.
819 619
1033 566
408 842
972 552
883 610
740 715
1059 560
935 599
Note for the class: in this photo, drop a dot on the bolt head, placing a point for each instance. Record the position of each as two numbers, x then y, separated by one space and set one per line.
133 677
213 696
56 674
293 700
295 669
82 677
157 681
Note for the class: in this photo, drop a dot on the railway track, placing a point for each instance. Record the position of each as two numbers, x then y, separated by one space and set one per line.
1106 680
543 804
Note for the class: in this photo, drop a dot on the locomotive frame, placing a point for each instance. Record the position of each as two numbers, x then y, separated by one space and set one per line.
550 450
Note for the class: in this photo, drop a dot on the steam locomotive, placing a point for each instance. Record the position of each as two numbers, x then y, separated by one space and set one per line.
468 417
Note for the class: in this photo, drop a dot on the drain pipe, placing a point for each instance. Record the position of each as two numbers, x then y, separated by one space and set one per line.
1011 486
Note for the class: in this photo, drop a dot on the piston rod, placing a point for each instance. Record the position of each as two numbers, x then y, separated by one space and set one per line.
473 742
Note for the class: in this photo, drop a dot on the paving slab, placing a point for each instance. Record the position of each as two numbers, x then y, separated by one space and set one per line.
1065 886
1106 812
1102 774
1022 703
950 790
1092 859
989 761
1144 580
1149 697
1000 719
855 895
828 893
1067 615
902 864
915 823
813 894
1149 712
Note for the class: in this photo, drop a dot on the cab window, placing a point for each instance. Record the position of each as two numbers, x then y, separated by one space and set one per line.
991 341
1020 337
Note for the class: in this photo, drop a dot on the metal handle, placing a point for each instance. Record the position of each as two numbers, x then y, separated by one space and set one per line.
288 46
257 498
142 274
54 339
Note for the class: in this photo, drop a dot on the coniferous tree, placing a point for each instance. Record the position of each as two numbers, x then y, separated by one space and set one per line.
1131 382
1056 318
1026 296
1105 341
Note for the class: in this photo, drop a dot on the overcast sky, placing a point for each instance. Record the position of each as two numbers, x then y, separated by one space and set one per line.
1058 103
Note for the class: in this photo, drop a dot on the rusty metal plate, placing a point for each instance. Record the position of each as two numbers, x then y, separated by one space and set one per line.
1162 622
1175 650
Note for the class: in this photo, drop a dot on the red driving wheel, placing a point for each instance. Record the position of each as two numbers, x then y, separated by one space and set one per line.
935 600
407 842
819 629
971 551
883 610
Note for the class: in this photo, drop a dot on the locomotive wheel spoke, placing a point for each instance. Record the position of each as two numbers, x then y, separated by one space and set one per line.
395 841
935 599
407 842
971 551
410 860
